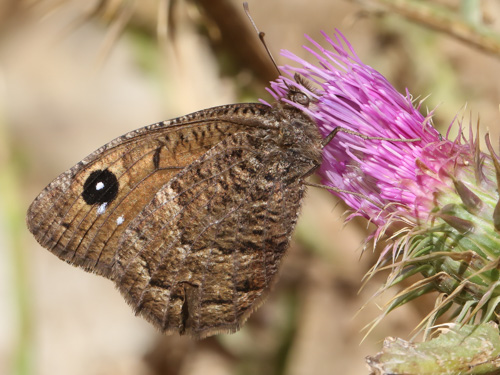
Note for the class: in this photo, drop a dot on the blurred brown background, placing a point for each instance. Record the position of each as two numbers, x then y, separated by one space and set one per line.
67 86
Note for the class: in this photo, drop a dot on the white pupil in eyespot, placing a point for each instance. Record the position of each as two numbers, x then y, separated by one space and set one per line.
99 185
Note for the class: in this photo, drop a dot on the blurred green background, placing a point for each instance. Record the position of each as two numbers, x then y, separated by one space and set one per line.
71 79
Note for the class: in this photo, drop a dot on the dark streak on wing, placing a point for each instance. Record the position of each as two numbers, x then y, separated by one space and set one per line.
156 158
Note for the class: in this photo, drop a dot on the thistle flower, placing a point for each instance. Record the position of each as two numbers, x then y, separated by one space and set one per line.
435 199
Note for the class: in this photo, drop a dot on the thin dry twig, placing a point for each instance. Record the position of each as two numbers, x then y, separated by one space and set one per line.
445 21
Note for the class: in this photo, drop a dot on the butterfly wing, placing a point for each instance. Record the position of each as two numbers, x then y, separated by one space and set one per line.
189 218
83 213
200 257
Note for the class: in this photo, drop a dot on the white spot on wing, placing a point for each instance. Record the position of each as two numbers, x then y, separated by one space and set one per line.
102 208
120 220
99 185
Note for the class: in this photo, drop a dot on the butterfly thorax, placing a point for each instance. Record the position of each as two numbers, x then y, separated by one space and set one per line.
299 136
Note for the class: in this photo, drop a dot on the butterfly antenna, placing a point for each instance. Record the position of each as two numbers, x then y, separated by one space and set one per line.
291 90
261 35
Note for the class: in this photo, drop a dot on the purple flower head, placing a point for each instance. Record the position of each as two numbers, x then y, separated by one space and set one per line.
354 96
435 198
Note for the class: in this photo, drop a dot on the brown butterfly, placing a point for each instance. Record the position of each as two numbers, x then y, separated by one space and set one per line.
189 217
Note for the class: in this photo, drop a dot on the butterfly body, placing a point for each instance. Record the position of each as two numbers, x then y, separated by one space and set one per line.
190 217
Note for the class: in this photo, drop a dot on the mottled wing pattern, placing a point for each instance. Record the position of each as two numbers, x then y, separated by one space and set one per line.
200 257
190 217
82 215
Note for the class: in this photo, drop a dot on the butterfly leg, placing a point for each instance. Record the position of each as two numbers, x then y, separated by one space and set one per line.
334 132
337 190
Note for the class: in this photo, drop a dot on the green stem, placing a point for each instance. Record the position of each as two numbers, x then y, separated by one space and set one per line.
11 202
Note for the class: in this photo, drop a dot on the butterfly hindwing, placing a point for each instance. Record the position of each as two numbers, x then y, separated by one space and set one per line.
202 255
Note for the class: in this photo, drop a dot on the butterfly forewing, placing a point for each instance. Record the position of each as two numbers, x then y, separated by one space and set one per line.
190 217
81 215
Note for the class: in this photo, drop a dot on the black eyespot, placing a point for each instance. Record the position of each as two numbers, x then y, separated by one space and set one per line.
100 187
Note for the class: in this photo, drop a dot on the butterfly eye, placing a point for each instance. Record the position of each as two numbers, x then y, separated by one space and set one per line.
100 187
300 98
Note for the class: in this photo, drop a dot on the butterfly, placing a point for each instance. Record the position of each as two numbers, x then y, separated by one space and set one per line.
190 218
